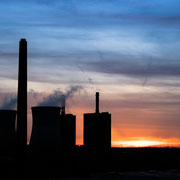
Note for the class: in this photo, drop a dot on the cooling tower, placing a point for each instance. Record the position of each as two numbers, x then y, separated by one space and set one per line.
7 131
97 129
45 129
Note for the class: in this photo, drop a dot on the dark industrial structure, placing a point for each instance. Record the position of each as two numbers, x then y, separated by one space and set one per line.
52 131
67 129
67 132
53 154
22 98
45 129
21 140
7 132
97 129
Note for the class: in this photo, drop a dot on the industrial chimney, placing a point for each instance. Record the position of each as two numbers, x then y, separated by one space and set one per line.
22 106
97 102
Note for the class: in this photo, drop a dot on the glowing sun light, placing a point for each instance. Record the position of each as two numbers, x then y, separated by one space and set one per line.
138 143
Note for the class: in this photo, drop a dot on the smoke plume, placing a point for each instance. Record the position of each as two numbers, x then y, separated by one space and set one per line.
57 97
9 102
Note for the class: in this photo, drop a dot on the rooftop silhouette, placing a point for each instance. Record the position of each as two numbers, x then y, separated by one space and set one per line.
97 129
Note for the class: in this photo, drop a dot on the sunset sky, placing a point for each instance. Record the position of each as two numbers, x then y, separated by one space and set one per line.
128 50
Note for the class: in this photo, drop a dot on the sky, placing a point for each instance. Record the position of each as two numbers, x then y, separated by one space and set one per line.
128 50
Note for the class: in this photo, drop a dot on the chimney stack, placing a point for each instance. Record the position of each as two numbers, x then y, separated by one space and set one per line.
22 103
97 102
64 105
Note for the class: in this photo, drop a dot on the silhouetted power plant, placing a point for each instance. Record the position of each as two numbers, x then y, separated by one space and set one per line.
53 131
53 151
97 129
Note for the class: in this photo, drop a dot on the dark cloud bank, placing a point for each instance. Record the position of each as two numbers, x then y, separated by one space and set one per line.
134 68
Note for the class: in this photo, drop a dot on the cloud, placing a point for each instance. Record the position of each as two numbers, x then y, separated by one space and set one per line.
91 14
135 67
107 26
9 102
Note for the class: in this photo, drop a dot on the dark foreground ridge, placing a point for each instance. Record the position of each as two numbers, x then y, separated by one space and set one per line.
53 153
125 163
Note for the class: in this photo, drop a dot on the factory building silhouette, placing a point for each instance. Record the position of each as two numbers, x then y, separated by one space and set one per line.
7 132
53 130
52 127
97 129
53 146
15 142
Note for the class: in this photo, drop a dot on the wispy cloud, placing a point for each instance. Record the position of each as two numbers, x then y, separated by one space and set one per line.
135 67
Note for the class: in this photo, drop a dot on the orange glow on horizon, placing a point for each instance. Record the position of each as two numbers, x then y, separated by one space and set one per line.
146 143
137 143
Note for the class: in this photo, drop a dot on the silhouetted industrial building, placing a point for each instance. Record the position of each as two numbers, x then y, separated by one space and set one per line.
67 129
67 132
97 129
52 131
7 132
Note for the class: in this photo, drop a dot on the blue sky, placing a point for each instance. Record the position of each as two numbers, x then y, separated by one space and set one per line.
78 32
125 49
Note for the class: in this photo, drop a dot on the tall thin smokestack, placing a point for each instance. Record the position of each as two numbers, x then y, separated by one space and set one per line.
22 103
64 105
97 102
